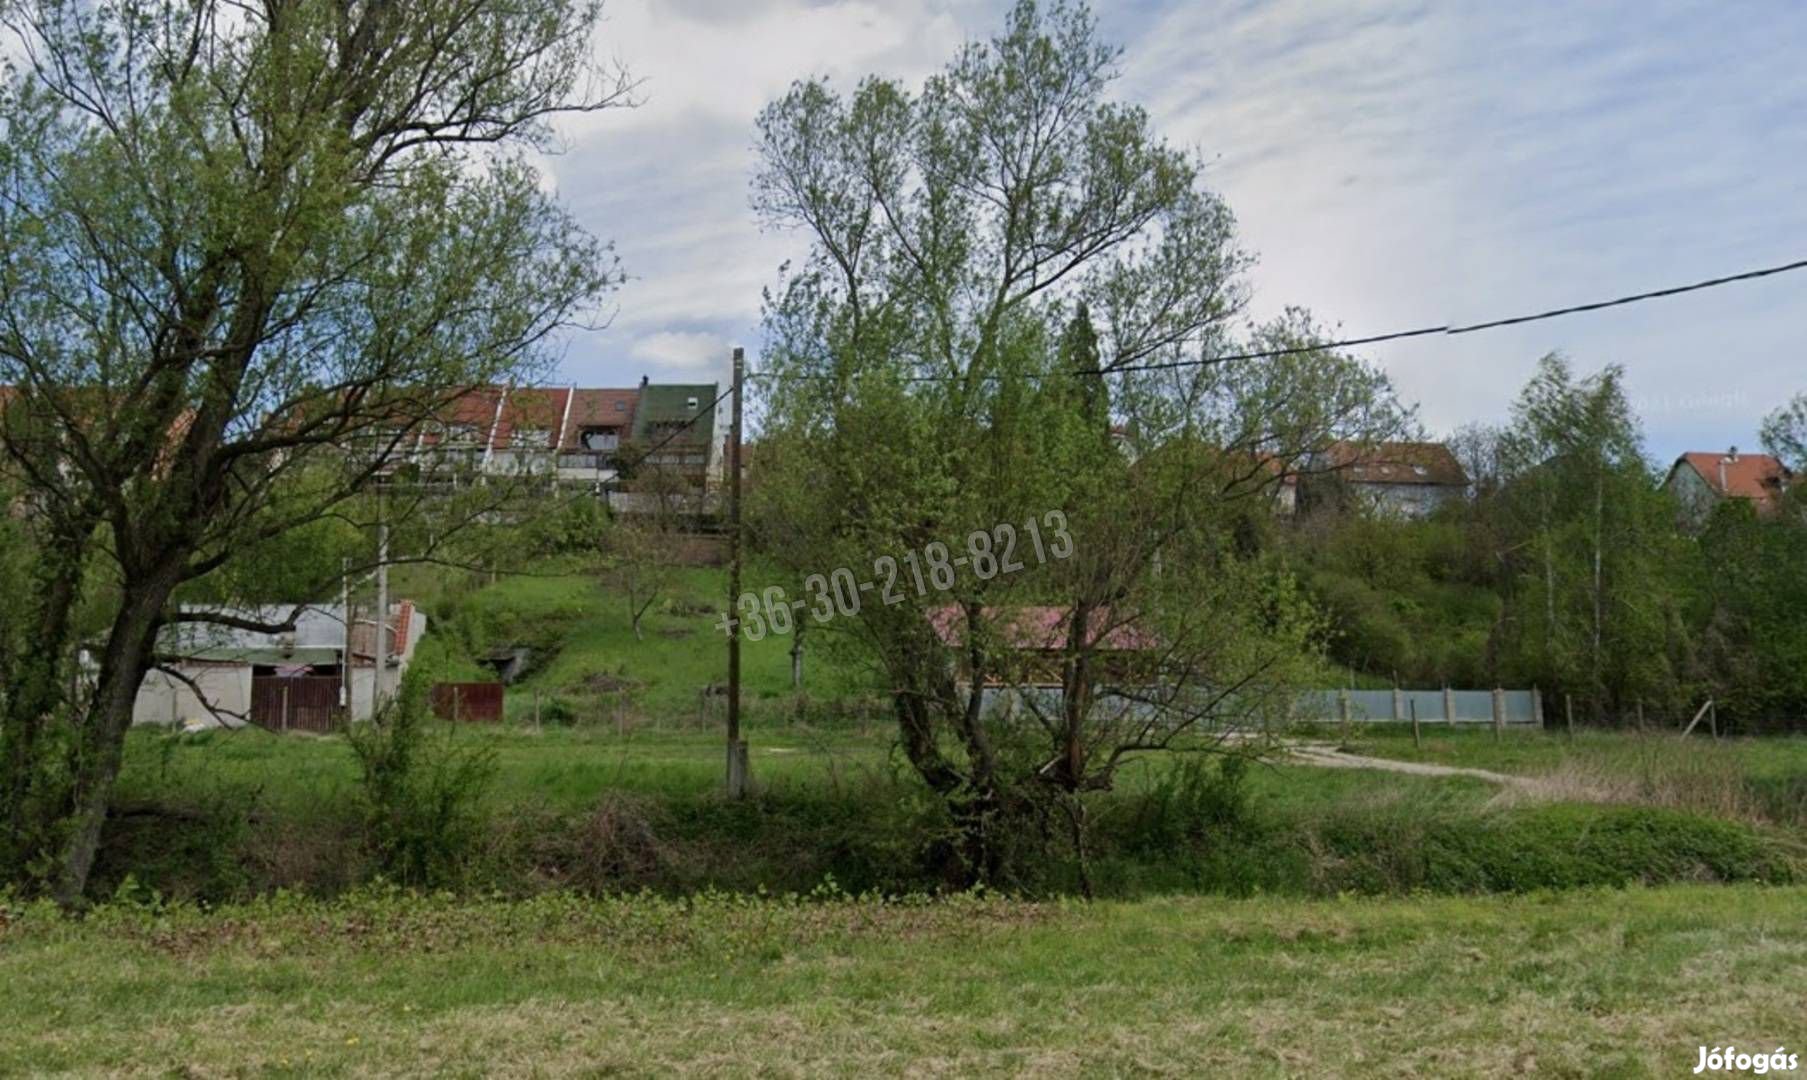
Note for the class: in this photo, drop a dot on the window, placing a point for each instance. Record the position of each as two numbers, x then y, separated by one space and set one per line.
528 437
691 402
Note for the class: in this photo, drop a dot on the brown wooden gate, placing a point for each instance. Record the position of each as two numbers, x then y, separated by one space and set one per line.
295 703
481 701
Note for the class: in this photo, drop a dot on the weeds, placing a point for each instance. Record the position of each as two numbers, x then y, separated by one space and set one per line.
422 789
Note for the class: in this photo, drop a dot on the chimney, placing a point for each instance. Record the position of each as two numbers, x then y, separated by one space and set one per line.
1722 463
642 382
1732 455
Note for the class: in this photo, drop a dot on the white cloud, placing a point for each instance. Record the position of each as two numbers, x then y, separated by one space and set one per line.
1394 163
676 351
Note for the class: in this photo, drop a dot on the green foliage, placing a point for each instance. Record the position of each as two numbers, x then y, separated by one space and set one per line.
1399 598
1589 539
1199 802
423 789
604 811
1785 433
1750 596
577 526
939 355
302 266
1563 847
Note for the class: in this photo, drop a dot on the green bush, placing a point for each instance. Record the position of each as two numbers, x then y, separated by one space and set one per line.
1195 803
421 789
1552 847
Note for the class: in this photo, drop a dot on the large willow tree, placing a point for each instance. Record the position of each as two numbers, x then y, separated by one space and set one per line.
998 264
246 250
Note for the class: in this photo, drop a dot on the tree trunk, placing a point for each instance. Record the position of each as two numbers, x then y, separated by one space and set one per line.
37 690
1599 537
797 657
123 665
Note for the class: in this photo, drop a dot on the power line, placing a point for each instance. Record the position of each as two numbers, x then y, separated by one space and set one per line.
1748 275
1372 339
1491 324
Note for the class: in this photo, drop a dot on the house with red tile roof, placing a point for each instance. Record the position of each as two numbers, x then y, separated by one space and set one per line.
570 434
1701 480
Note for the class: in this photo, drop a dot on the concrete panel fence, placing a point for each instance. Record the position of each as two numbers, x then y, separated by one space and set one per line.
1504 708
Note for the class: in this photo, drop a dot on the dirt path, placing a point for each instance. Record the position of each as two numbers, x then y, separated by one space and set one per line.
1328 756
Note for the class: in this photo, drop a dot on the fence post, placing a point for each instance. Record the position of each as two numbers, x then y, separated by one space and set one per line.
1568 710
1449 707
455 703
285 707
1499 713
738 772
1417 740
1398 703
1342 697
1713 718
1537 706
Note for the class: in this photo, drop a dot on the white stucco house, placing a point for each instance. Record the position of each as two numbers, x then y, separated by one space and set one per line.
229 676
1392 479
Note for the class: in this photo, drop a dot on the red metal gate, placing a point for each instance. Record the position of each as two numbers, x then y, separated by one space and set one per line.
480 701
295 703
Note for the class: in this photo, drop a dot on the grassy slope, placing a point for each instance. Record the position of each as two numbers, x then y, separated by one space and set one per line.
1625 984
583 630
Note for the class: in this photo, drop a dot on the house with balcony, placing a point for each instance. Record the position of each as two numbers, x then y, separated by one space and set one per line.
610 440
597 424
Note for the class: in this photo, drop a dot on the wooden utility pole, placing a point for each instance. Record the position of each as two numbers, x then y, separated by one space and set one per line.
381 648
737 749
797 656
345 668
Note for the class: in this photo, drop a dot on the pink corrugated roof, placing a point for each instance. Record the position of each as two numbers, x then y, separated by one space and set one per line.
1040 627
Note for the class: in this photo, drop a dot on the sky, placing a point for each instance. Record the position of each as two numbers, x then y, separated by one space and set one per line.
1392 164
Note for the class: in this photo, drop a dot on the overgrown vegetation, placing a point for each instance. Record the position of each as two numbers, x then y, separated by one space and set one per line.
599 810
1570 569
423 789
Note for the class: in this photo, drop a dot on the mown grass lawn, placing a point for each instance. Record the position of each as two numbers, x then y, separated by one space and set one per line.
1623 983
